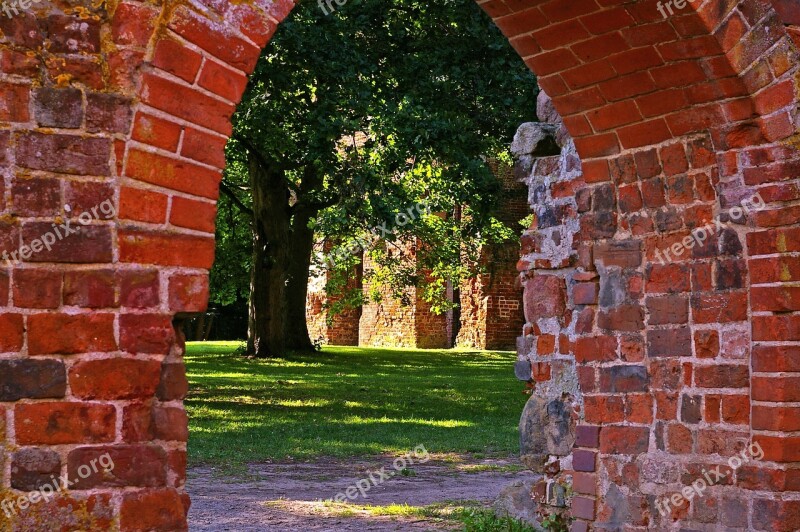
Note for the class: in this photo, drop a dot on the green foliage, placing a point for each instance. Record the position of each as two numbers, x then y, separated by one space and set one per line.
392 102
485 520
556 522
230 276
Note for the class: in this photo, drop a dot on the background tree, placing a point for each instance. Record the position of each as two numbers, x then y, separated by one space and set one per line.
353 117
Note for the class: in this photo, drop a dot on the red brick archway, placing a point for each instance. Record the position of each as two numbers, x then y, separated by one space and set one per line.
132 105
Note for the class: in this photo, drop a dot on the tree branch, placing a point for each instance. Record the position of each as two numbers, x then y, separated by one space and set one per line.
263 160
228 192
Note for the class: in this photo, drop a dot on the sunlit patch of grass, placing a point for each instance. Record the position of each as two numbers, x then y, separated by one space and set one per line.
473 515
493 468
346 401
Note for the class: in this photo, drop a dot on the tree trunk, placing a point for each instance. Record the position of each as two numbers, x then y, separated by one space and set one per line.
282 248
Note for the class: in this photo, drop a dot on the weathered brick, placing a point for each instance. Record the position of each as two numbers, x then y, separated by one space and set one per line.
33 468
32 379
142 466
64 423
624 440
58 107
67 334
623 379
114 378
146 333
66 154
160 510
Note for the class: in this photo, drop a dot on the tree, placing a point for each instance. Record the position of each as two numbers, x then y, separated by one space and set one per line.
353 117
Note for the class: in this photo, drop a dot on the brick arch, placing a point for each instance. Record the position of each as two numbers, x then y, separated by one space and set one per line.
133 105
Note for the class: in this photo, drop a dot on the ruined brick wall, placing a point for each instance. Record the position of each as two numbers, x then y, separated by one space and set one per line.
131 102
664 349
406 322
342 328
491 303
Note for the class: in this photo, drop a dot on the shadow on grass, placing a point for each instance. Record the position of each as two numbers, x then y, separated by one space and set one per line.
349 402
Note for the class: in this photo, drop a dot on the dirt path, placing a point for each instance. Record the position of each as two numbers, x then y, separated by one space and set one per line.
288 496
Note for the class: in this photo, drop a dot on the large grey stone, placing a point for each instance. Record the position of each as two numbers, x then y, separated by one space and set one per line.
516 501
535 138
545 429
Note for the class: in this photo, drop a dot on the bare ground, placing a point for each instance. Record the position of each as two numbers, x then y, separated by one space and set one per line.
289 496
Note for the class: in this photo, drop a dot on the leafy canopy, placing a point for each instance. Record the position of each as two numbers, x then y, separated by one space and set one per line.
390 102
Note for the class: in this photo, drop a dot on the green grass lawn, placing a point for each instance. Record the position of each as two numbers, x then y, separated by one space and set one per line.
348 401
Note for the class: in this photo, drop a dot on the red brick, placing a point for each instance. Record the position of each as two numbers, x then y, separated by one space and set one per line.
585 294
172 173
133 24
64 423
90 289
719 307
34 197
173 385
166 249
779 419
16 101
624 440
146 333
142 466
156 132
595 349
669 342
67 334
152 510
139 289
624 379
12 331
226 46
188 293
72 34
706 344
225 82
114 378
90 244
170 424
722 376
614 115
736 409
668 310
193 214
188 103
66 154
776 389
175 58
604 409
776 516
776 358
37 288
83 196
679 439
142 205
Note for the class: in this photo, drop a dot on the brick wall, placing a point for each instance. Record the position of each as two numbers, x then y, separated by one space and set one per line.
661 356
491 304
131 102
